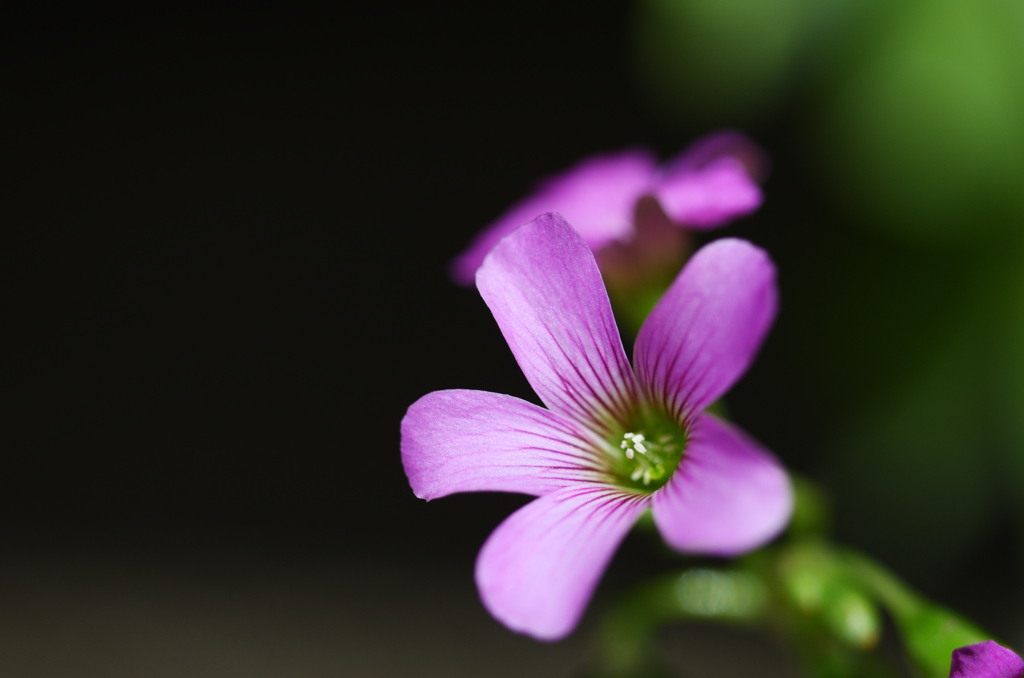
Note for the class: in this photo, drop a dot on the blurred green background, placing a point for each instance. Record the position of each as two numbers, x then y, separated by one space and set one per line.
896 214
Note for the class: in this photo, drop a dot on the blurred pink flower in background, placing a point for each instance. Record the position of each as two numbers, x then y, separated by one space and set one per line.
711 183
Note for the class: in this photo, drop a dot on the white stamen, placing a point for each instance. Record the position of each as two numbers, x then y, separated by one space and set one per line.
629 454
647 477
636 474
639 447
639 438
623 445
627 436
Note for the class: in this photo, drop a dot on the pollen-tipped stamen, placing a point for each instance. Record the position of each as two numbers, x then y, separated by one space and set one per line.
650 455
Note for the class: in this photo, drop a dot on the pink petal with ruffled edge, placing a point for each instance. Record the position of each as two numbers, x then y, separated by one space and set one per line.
537 571
597 196
727 496
703 334
709 197
986 660
544 289
469 441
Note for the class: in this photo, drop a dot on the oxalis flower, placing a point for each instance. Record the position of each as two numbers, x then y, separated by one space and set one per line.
612 442
986 660
706 186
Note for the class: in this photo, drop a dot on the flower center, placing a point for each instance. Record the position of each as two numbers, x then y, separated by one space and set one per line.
646 456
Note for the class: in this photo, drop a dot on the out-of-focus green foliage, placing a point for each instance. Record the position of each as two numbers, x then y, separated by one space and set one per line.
904 128
817 585
626 640
921 125
812 510
917 455
822 601
915 106
711 58
1008 399
929 632
931 453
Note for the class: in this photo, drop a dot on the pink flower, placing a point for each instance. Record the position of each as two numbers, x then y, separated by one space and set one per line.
986 660
612 442
706 186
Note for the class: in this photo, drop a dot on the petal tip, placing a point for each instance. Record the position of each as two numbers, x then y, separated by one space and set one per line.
552 221
528 627
507 606
987 659
538 569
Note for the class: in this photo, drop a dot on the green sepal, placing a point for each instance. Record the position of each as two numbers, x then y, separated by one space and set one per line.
817 584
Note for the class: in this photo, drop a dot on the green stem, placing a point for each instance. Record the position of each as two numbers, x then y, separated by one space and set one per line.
930 632
893 593
814 596
626 645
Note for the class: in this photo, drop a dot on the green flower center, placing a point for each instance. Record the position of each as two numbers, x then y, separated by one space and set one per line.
645 456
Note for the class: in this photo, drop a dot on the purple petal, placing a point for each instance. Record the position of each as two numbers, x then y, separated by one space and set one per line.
470 441
723 144
597 196
544 289
539 568
710 196
703 334
727 496
986 660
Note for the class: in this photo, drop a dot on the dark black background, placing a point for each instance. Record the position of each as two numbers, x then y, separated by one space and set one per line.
227 279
